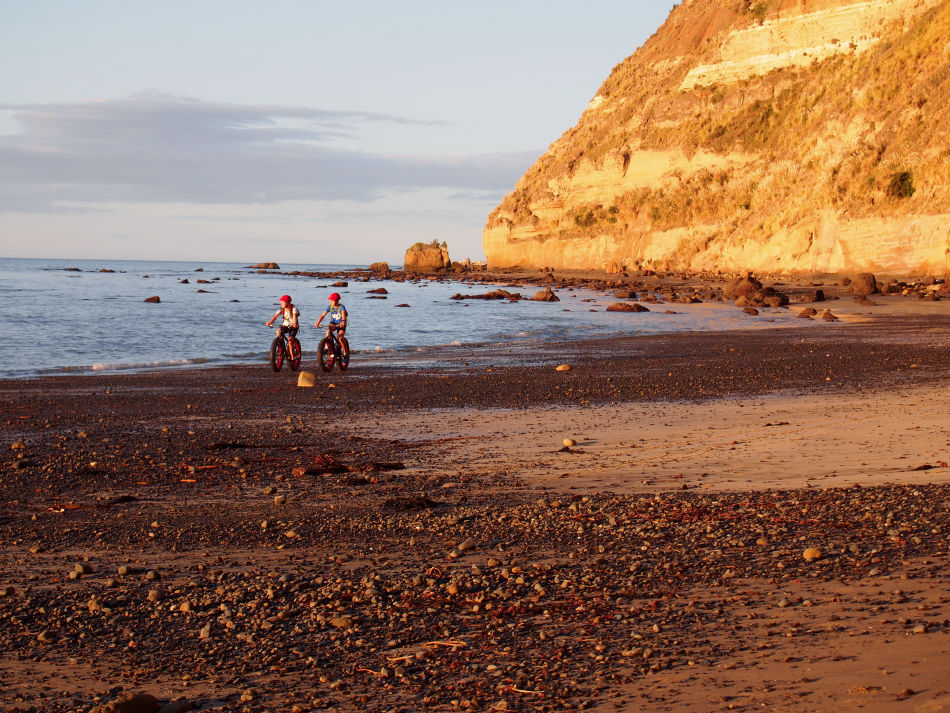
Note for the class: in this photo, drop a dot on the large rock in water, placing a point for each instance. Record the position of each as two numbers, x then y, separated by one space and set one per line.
779 137
546 295
266 266
427 257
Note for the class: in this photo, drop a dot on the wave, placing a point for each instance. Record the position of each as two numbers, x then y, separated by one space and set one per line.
105 367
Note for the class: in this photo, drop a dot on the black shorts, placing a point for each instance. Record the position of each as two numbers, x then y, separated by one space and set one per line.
291 331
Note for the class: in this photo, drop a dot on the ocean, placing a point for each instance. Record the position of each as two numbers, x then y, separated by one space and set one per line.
90 316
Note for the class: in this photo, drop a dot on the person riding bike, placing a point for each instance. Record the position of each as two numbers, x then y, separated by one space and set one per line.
290 314
337 322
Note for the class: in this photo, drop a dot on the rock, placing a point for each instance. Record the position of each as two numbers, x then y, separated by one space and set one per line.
133 703
280 499
562 367
569 442
340 283
863 285
205 631
742 287
811 554
18 445
864 301
493 295
770 297
808 313
341 622
306 379
828 316
154 299
46 636
427 257
626 307
545 295
378 291
816 296
378 267
265 266
468 544
625 295
750 310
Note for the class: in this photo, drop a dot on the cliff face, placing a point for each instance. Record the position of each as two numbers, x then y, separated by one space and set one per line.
778 136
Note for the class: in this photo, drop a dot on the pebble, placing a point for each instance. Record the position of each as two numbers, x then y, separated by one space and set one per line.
569 442
811 554
563 367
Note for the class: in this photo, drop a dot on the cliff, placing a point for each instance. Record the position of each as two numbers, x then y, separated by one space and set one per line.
775 136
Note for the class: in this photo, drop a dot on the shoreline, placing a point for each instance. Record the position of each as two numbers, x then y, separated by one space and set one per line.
400 538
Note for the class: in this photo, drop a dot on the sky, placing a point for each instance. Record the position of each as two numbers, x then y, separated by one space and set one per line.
285 130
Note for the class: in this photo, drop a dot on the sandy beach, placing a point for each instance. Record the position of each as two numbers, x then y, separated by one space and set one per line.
745 521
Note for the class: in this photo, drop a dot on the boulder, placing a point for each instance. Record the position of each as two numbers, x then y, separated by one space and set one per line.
625 295
379 267
742 287
626 307
155 299
378 291
265 266
808 313
545 295
340 283
770 297
863 285
816 296
750 310
427 257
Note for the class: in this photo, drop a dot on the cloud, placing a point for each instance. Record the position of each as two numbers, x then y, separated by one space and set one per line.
154 148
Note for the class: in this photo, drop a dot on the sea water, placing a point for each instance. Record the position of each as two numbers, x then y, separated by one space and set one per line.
90 316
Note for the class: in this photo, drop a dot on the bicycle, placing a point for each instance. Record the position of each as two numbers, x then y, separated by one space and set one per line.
284 347
330 351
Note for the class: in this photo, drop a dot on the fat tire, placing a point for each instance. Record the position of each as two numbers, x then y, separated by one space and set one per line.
325 355
294 361
276 354
344 361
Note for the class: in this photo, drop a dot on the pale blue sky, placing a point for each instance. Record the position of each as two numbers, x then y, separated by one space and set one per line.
285 130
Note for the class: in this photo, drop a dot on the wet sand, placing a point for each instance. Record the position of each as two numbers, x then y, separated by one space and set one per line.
414 537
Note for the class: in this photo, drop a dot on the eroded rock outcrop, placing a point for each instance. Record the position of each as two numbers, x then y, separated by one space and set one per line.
774 137
427 257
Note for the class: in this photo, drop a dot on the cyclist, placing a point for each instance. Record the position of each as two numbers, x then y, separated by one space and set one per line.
288 310
337 314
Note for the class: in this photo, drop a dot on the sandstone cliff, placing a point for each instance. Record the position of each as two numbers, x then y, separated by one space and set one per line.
775 136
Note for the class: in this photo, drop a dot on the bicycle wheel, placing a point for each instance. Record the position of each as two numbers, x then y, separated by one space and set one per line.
325 355
344 360
276 354
295 355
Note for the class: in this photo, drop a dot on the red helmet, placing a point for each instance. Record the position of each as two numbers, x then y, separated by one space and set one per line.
334 297
285 298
